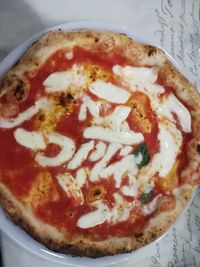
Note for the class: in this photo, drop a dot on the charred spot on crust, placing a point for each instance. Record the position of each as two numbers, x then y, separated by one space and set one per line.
139 235
17 88
96 39
88 34
151 50
198 148
19 92
153 236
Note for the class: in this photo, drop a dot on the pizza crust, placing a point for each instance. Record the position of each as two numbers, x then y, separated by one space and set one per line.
20 212
39 52
80 246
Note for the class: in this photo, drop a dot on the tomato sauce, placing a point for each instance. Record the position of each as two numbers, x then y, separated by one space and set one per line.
17 165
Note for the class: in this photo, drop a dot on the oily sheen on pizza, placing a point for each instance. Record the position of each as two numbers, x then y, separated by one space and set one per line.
99 142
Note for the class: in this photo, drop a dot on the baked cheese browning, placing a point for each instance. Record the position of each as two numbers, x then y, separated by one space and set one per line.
171 181
95 193
139 113
63 105
43 190
104 134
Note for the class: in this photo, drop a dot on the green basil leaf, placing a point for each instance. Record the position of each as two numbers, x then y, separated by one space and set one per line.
142 156
146 197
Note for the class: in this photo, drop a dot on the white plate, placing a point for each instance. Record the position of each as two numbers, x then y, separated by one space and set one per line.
16 233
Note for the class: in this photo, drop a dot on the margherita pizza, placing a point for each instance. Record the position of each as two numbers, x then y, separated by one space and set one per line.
99 142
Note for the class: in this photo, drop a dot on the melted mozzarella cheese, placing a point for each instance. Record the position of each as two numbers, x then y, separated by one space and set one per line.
95 217
115 119
124 127
139 78
40 140
143 79
120 211
99 166
125 150
70 186
170 142
33 140
89 104
109 92
108 135
69 55
173 105
81 176
99 151
43 103
162 162
67 146
61 81
131 189
119 169
80 155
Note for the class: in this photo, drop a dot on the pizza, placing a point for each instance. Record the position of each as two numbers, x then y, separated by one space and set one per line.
99 142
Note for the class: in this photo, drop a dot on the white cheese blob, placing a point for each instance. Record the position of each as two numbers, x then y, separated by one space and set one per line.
149 187
99 166
120 211
61 81
39 140
90 105
115 119
95 217
139 78
109 92
119 169
99 151
80 155
124 127
125 150
70 186
108 135
69 55
173 105
81 176
170 142
143 79
67 146
33 140
43 103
